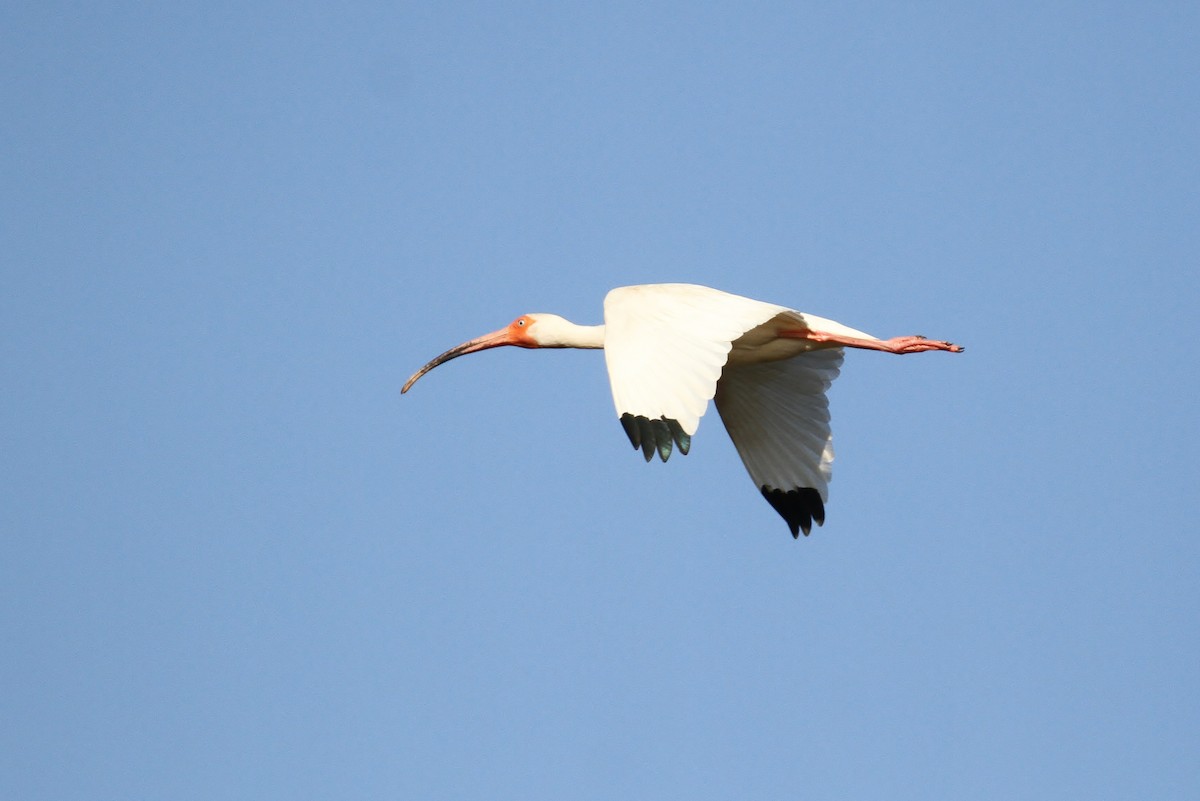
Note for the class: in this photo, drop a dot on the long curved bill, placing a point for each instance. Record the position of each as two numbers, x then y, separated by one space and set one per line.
492 340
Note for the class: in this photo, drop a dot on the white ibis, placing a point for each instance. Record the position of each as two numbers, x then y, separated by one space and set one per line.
670 348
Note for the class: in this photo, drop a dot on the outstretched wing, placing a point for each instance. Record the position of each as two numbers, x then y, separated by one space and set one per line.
665 346
777 415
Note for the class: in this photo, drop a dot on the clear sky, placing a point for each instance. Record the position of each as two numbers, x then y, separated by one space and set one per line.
236 564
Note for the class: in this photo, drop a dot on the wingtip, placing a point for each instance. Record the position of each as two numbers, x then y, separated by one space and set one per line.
799 507
681 438
660 435
629 423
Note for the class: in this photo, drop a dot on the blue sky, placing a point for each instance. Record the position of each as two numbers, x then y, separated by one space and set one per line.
236 564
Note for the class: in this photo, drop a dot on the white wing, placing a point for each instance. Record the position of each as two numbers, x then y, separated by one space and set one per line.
777 415
665 346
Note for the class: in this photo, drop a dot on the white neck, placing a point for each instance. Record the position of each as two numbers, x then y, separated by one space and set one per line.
552 331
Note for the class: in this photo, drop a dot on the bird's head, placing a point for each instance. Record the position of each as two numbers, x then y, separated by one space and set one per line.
527 331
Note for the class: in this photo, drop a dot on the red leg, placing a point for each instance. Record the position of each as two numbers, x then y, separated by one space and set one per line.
899 345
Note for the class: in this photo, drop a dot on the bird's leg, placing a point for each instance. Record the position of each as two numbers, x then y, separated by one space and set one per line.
898 345
913 344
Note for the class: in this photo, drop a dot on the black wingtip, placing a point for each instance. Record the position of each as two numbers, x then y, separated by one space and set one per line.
679 435
629 423
662 437
659 436
799 507
646 431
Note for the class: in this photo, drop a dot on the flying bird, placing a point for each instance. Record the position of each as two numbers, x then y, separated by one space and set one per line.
671 348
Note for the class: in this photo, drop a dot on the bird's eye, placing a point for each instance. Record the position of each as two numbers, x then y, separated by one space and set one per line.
521 322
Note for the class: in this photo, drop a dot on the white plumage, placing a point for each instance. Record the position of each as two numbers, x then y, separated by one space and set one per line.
671 348
777 414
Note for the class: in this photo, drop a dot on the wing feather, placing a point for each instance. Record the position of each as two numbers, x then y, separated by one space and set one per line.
665 346
777 414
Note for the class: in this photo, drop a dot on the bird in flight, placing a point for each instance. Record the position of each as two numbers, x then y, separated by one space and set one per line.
671 348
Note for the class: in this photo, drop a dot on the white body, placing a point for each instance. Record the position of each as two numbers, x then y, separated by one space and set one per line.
671 348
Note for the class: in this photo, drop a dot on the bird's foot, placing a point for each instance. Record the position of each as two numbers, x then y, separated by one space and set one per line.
919 344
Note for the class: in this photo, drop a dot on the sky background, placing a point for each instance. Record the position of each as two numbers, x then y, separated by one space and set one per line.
236 564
